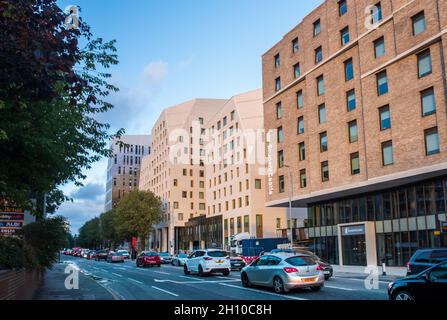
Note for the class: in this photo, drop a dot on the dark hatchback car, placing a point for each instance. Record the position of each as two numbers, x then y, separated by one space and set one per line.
430 284
101 255
424 259
236 262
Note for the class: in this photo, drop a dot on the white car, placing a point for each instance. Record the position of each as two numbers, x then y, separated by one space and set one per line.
208 261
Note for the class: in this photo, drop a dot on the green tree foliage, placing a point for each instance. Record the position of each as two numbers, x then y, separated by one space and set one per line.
137 213
51 91
90 234
37 247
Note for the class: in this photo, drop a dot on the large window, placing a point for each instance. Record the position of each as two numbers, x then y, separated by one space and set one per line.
303 179
280 159
382 83
297 71
385 118
428 102
280 135
419 24
278 110
351 100
281 184
299 99
317 27
353 131
355 163
295 45
318 55
342 7
325 171
349 70
278 84
344 35
320 86
322 113
424 64
301 151
323 142
379 47
387 153
432 141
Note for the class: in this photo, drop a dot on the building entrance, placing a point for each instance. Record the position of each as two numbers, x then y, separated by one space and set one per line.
354 246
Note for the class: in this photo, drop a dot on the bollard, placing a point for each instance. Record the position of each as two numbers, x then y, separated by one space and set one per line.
383 269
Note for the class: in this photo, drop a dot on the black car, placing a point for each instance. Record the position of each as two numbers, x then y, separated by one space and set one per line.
430 284
236 262
101 255
424 259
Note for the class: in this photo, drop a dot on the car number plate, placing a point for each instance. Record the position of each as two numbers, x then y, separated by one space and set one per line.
326 272
219 261
309 279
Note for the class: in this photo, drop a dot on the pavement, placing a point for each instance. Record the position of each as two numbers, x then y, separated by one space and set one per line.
124 281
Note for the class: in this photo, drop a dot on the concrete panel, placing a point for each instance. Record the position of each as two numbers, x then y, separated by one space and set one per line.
403 225
412 225
431 222
396 226
387 226
379 227
421 223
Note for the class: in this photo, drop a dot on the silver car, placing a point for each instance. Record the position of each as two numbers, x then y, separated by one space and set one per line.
284 272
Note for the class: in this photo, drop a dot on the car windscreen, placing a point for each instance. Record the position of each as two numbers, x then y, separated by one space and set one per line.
151 254
217 254
439 256
301 261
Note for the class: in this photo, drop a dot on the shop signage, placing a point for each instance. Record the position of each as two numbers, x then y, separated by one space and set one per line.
11 218
353 230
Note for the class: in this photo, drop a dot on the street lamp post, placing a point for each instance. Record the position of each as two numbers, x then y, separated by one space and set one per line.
290 177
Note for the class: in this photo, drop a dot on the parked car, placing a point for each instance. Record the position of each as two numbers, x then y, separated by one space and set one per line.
124 253
179 259
425 258
91 255
237 262
327 268
284 272
148 259
101 255
114 257
430 284
165 257
208 261
76 253
84 253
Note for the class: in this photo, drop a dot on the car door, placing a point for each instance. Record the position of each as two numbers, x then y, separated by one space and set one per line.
257 275
437 283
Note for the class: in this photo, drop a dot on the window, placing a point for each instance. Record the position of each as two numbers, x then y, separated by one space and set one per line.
428 102
323 142
318 55
175 182
302 151
355 163
280 159
353 131
382 83
279 110
280 135
379 47
281 184
431 141
246 224
419 24
278 84
297 71
350 100
303 179
385 118
277 61
317 27
175 205
258 184
180 216
225 121
344 34
376 13
349 70
300 125
322 113
320 86
342 7
299 99
387 153
278 223
295 45
424 64
184 194
325 171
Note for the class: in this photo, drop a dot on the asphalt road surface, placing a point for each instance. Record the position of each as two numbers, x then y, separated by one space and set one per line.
124 281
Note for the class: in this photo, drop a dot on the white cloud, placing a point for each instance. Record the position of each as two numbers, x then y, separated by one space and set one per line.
155 72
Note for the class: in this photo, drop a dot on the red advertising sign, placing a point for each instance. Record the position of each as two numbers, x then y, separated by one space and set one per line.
134 242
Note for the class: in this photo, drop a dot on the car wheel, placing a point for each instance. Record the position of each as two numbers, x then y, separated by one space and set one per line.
226 273
185 270
245 281
318 288
201 271
403 296
278 285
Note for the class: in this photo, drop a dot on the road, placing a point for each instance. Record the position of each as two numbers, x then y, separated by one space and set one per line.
127 282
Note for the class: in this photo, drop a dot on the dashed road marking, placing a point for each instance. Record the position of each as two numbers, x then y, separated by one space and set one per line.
118 275
339 288
135 281
263 292
165 291
161 272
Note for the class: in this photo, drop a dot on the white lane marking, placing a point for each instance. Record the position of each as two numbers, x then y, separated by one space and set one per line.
161 272
118 275
362 280
197 281
340 288
191 278
119 268
263 292
135 281
165 291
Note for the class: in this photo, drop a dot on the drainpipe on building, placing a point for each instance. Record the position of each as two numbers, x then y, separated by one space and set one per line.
290 206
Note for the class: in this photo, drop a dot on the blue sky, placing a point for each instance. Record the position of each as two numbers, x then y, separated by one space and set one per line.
171 51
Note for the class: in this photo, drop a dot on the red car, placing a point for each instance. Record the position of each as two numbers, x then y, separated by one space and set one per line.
148 259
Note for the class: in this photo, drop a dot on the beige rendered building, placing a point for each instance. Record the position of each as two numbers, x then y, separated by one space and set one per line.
357 94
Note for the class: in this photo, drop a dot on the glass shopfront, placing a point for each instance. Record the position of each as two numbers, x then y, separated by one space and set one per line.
354 245
406 219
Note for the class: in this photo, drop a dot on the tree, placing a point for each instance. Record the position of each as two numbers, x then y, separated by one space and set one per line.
137 213
109 230
90 234
51 92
